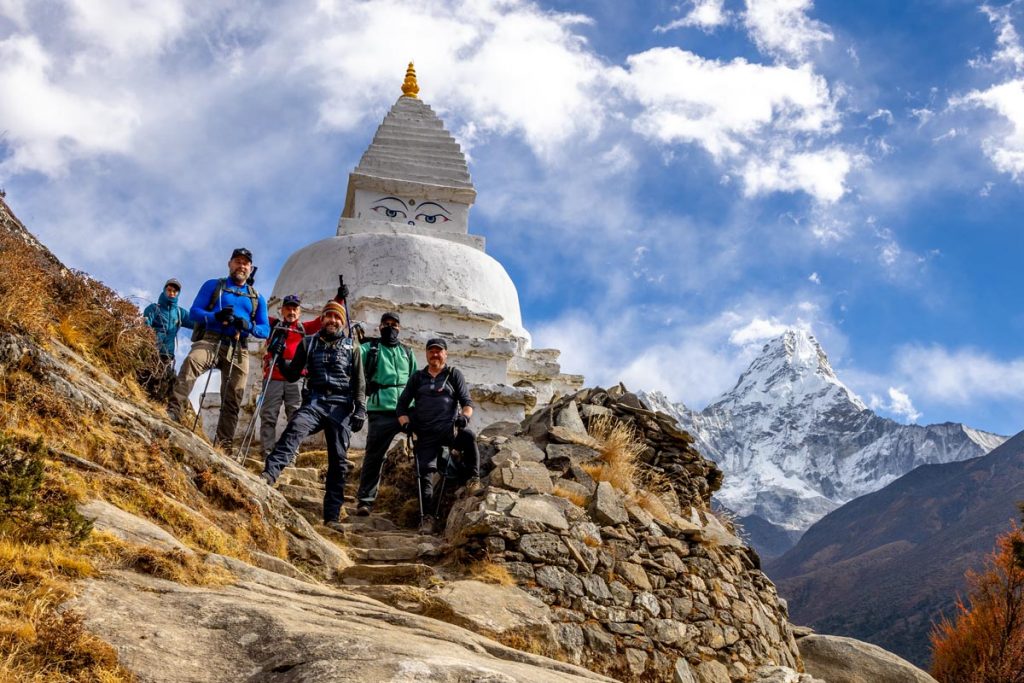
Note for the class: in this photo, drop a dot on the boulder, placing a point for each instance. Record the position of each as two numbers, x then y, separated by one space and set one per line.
569 417
525 475
538 509
606 507
846 660
129 527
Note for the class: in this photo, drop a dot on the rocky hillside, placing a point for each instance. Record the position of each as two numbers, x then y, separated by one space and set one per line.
885 566
795 443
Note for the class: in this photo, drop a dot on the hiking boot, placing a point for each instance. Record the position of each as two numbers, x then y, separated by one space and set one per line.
427 525
266 478
364 509
474 486
335 525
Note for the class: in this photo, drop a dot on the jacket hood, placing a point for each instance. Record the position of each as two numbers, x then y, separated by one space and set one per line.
167 301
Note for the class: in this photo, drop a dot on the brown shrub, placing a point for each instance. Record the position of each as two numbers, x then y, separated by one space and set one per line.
574 497
984 642
491 572
620 450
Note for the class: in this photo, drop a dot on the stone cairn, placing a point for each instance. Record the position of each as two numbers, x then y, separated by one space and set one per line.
639 585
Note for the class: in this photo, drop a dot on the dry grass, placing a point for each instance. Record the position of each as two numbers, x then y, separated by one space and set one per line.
41 298
491 572
574 497
654 506
619 449
110 552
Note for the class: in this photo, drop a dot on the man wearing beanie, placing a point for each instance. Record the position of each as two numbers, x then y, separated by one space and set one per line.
280 391
387 365
335 401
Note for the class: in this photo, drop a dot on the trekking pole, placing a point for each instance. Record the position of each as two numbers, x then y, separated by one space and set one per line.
344 302
416 464
209 375
250 431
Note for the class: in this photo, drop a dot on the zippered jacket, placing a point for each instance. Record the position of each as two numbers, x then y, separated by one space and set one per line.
166 317
395 365
236 296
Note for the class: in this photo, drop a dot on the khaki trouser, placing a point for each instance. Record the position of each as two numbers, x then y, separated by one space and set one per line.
233 362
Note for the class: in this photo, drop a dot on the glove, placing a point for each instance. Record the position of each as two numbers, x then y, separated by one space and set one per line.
342 294
461 421
241 324
405 428
357 421
224 315
276 347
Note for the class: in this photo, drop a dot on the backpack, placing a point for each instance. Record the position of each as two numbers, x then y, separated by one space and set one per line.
370 371
200 329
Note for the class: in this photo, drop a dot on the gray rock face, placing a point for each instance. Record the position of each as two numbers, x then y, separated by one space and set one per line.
607 507
269 628
129 527
845 660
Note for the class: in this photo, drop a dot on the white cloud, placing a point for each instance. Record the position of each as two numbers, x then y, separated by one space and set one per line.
706 15
750 115
821 174
815 278
47 123
899 404
1009 52
1005 148
127 28
756 331
960 376
782 27
883 114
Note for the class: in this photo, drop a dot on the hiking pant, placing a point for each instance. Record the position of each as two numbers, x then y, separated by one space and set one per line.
278 391
427 448
233 363
383 427
331 414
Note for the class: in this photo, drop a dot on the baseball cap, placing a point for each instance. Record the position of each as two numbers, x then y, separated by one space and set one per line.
291 300
242 251
439 343
391 315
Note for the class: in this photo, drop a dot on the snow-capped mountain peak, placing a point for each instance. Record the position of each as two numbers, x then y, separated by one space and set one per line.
794 442
790 370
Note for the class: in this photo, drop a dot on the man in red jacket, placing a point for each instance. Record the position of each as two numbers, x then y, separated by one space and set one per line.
279 390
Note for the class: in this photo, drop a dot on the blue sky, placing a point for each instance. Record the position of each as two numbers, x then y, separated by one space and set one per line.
668 183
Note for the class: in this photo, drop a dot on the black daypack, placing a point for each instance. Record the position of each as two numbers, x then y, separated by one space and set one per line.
200 328
370 369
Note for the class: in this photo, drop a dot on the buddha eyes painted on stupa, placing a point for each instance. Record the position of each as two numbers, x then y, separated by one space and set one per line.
395 209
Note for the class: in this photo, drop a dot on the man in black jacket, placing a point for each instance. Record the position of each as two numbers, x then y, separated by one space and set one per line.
439 418
334 400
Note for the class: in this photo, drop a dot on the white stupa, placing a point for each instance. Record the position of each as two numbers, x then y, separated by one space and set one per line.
403 245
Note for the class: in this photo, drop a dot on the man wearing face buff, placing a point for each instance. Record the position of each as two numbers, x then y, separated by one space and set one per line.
388 365
335 401
279 390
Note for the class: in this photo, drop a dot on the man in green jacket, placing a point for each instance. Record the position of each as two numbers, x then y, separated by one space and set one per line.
388 366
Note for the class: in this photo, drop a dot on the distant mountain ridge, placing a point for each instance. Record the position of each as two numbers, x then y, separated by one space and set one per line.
795 442
887 565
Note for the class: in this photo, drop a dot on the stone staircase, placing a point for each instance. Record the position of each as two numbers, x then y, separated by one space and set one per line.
385 555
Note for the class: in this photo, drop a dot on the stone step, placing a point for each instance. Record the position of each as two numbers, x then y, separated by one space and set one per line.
405 574
301 476
301 495
384 540
384 554
361 525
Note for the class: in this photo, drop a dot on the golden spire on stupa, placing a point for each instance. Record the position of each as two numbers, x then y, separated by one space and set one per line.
409 87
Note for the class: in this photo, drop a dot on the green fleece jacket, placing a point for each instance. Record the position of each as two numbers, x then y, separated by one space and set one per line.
395 364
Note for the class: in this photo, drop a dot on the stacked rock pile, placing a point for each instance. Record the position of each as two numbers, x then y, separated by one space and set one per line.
640 585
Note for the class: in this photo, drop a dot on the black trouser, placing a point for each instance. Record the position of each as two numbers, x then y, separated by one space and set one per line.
331 414
427 448
383 427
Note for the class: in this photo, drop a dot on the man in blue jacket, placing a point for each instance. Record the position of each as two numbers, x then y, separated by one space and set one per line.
166 317
226 312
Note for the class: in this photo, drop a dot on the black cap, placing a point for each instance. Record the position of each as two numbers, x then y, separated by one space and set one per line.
391 315
242 251
173 283
291 300
440 343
